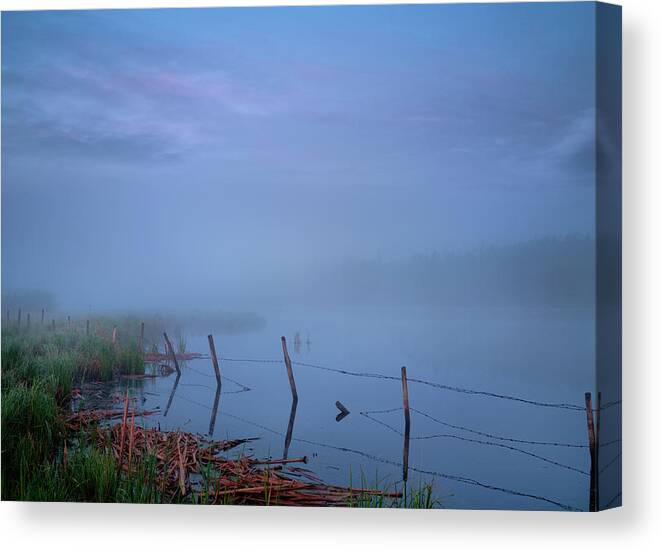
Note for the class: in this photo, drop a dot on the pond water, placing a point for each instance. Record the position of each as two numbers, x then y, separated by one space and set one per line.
468 444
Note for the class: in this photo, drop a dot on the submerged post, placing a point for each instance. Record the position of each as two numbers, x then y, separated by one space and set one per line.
214 359
290 372
593 458
168 345
407 424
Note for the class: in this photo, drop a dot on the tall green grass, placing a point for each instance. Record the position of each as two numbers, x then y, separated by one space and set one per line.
91 475
39 369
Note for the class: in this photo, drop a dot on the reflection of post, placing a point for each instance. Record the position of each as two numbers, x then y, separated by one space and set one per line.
168 345
290 373
591 441
407 424
172 392
214 412
290 427
214 359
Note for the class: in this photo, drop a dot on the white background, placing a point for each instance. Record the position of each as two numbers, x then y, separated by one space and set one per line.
635 526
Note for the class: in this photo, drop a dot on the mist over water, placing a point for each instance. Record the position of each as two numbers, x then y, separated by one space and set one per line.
234 158
396 185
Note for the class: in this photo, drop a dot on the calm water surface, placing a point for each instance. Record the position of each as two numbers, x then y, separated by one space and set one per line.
539 354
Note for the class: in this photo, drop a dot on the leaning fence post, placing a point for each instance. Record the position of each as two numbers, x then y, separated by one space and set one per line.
407 423
168 344
214 358
591 441
290 372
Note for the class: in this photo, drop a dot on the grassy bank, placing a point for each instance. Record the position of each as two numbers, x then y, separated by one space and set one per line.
50 453
39 369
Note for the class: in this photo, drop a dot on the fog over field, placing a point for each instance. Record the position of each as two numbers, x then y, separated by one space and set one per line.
243 159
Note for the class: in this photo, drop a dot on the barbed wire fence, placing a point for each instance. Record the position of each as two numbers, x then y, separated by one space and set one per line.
488 439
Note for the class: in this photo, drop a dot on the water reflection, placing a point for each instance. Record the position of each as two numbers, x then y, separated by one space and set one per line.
214 411
172 393
290 427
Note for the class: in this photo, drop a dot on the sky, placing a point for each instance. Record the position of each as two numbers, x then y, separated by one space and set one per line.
153 154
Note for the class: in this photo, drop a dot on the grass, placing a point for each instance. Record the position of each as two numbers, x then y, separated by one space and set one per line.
43 461
418 496
39 369
91 475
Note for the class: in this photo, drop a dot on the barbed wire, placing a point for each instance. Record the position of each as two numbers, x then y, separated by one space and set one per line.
611 462
613 500
455 478
560 405
481 442
568 406
244 388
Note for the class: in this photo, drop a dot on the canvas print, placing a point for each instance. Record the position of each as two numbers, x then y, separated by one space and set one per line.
341 256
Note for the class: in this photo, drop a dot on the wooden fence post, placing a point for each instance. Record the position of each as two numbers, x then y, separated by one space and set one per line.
168 344
27 321
69 322
43 313
591 442
407 423
214 359
141 345
19 317
53 324
87 327
114 334
290 372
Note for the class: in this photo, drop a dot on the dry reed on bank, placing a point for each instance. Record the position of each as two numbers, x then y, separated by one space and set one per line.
189 465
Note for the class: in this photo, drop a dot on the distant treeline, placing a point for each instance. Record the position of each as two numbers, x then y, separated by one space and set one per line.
549 272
